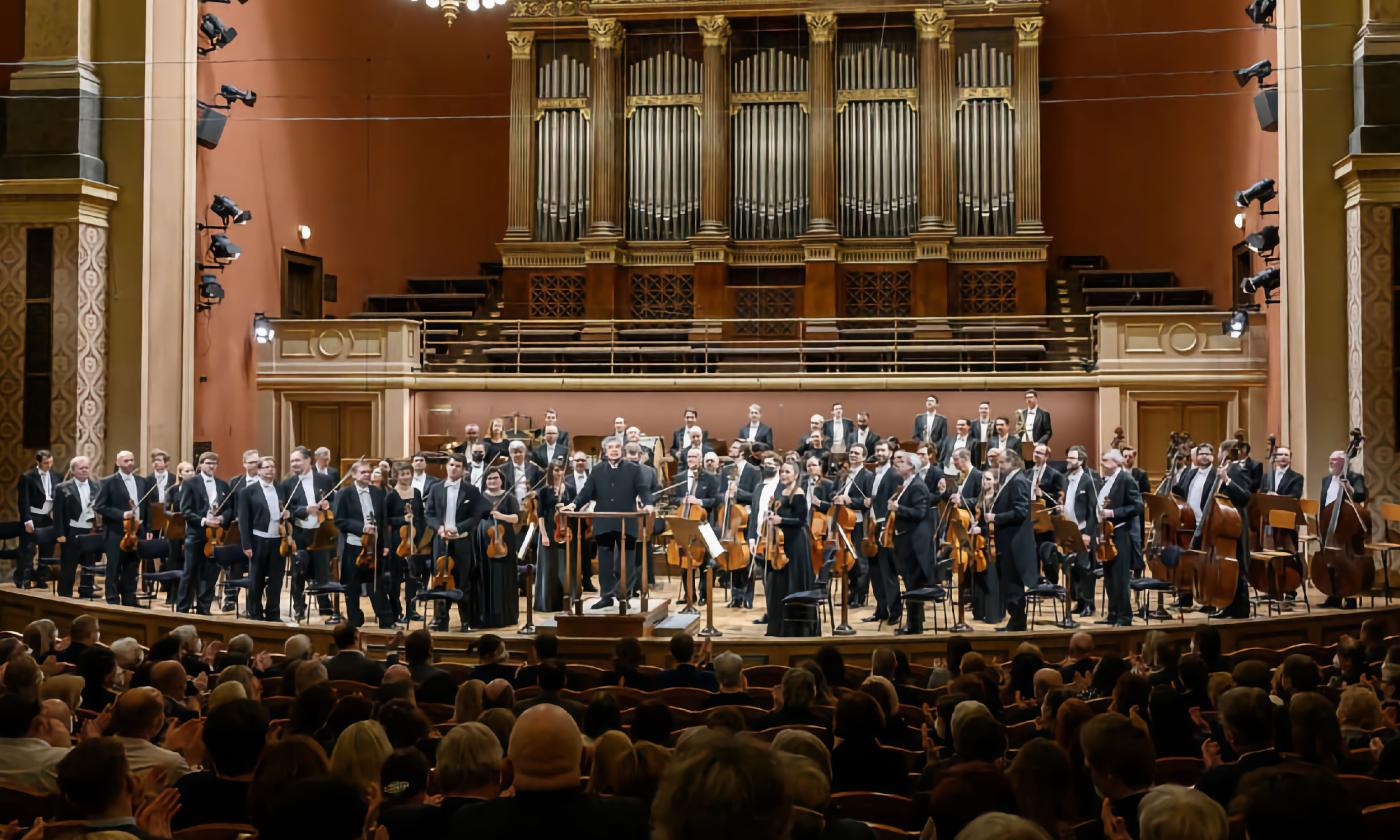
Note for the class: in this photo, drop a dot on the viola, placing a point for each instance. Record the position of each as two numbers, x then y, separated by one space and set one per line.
887 533
288 546
129 531
443 569
1107 550
771 542
959 523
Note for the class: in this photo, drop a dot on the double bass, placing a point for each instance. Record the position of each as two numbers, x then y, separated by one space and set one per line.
734 523
1166 552
1217 535
1341 568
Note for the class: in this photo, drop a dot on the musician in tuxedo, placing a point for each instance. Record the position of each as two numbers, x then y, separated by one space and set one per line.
680 438
882 572
744 471
423 480
471 435
203 503
983 426
960 439
1119 502
1081 504
550 450
239 567
121 496
1332 488
308 498
478 466
520 475
852 489
359 514
1281 479
615 486
1139 474
698 489
931 427
913 536
574 481
73 510
1001 439
1033 422
1014 534
551 418
35 504
964 481
323 465
453 509
838 429
1047 482
863 434
756 431
261 509
1253 470
1197 486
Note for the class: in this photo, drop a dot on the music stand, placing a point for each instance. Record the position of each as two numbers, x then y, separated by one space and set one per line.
1163 512
956 533
1261 510
574 552
683 531
1070 542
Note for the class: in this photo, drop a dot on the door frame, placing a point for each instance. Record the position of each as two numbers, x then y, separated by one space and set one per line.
317 265
282 406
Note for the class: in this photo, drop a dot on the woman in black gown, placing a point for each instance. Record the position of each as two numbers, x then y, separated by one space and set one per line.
403 506
986 592
550 568
791 517
500 591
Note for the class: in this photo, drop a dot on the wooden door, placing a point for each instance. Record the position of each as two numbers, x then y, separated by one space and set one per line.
301 285
1203 421
344 428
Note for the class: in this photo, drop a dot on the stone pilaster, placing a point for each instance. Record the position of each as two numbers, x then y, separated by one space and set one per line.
821 27
1027 96
606 35
520 198
1376 80
714 124
936 172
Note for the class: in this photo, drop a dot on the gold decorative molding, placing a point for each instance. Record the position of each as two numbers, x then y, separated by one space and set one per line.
522 43
1028 30
909 96
1369 178
877 252
929 22
579 104
1005 94
548 8
930 249
822 251
800 97
605 33
57 200
822 26
715 30
384 347
659 100
658 254
541 254
767 254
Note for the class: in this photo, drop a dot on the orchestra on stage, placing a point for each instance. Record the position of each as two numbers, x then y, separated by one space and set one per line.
978 516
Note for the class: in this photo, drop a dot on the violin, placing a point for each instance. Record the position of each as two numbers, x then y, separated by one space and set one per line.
978 547
443 569
366 558
887 532
129 531
408 536
1341 568
770 547
496 547
959 521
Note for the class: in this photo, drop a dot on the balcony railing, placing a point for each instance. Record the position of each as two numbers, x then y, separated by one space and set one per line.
776 346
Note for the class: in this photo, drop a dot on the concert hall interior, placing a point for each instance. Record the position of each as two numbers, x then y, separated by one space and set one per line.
570 335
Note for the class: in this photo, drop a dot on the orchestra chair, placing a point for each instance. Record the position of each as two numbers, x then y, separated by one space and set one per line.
152 550
1040 594
1269 554
1140 585
10 531
814 599
449 598
90 545
1390 516
225 556
47 560
934 594
311 592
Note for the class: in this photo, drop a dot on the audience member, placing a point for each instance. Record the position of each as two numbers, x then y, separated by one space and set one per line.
733 690
858 762
1246 716
359 754
1043 781
1297 800
282 762
27 759
724 787
684 674
551 677
1120 761
350 661
651 722
99 790
793 701
628 660
1172 812
998 826
83 633
493 660
470 701
234 736
138 717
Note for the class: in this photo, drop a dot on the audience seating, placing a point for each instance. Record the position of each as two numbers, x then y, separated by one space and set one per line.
882 808
216 831
1369 791
17 803
1181 770
1381 822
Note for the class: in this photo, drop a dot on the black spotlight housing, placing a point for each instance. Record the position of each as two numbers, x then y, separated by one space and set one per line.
1260 191
223 249
211 292
231 94
225 208
1263 241
1259 71
1268 280
1236 325
216 32
1259 11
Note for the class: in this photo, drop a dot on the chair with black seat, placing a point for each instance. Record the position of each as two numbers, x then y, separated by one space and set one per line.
934 594
811 599
1041 593
46 539
10 531
1147 584
447 597
225 556
168 578
89 546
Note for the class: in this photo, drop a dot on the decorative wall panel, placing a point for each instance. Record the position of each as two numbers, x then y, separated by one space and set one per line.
987 292
765 311
12 266
660 297
80 345
1370 343
557 296
879 294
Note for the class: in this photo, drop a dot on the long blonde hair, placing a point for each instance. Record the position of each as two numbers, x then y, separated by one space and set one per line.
360 752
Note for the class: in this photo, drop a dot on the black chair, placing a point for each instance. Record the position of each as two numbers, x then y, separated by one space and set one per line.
934 594
225 556
446 597
1148 585
90 545
168 578
1046 592
813 599
46 539
313 590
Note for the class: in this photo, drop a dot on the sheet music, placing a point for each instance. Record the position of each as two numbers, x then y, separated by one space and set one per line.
711 540
526 543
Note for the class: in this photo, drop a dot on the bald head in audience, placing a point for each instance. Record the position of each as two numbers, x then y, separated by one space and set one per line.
545 748
1047 680
138 713
310 673
168 678
499 695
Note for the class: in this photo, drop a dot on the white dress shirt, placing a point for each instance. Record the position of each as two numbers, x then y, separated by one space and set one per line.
84 519
1195 495
366 512
1029 433
47 482
162 481
130 481
986 429
1333 488
452 490
308 490
928 426
765 497
274 511
1278 478
30 763
1107 484
420 481
142 755
752 433
1072 492
211 492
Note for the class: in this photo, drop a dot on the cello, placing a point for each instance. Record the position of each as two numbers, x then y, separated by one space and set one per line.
1217 535
1341 568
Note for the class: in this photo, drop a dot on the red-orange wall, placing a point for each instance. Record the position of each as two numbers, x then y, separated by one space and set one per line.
11 41
1150 182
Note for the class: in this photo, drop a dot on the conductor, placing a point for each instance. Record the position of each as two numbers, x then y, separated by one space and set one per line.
615 486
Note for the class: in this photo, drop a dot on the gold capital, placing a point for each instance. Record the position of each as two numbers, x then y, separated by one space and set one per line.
929 22
521 43
822 26
1028 29
605 33
714 29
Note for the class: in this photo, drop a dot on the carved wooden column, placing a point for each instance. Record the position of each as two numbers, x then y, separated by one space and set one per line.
714 122
606 185
520 203
936 168
1027 94
822 134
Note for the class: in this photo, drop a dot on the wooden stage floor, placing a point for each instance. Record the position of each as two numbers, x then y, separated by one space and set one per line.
739 633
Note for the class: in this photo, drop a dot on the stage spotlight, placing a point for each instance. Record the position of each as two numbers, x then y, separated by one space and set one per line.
1268 280
232 94
1236 325
219 35
1260 70
211 292
1263 241
1262 192
222 248
228 212
1261 11
262 329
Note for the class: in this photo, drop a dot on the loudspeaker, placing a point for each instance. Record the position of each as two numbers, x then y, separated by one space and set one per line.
1266 108
210 126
